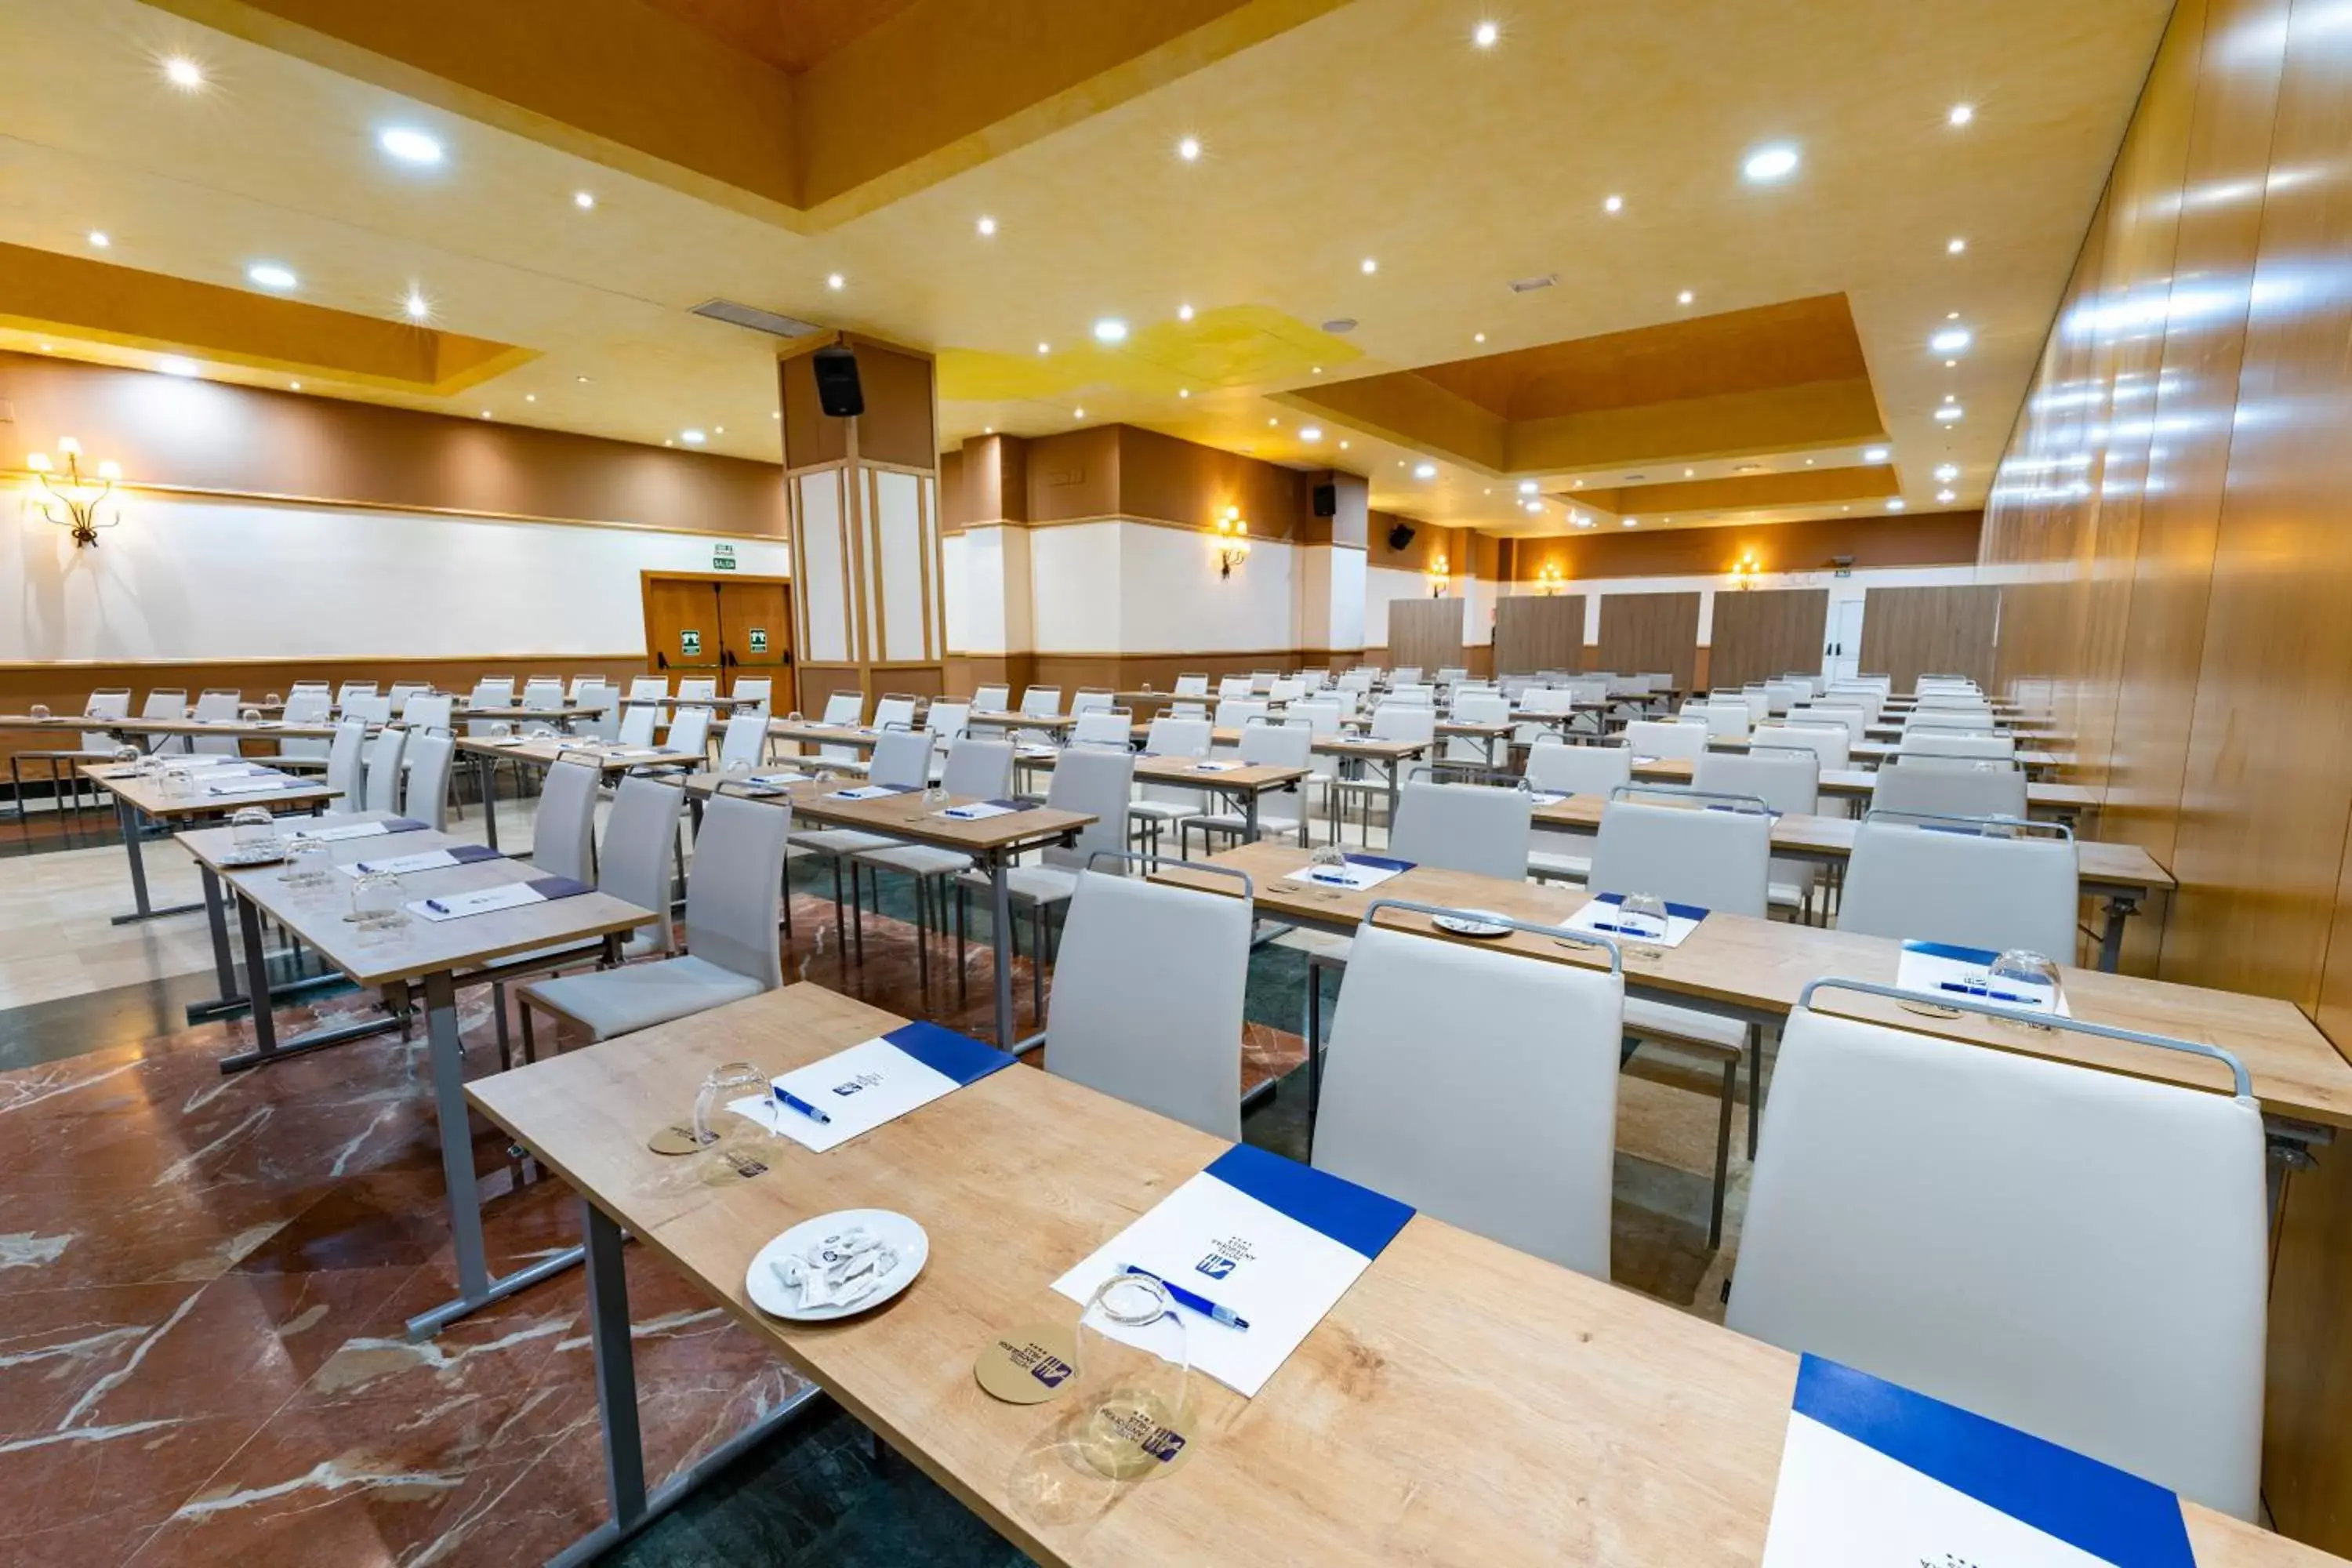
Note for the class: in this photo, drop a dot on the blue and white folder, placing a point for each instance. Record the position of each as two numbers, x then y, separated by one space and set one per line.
1874 1474
1278 1242
872 1082
489 900
1360 872
1602 916
1941 967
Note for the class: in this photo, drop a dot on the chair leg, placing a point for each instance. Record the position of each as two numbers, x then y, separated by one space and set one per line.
922 933
1755 1084
499 1012
1722 1153
529 1046
1314 1048
857 910
1037 962
964 903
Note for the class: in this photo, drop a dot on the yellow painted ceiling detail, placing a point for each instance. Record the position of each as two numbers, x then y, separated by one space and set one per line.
1234 345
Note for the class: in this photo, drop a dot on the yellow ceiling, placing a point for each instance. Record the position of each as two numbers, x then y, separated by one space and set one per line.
1330 133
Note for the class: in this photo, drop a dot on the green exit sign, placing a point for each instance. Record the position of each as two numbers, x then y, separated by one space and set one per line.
722 563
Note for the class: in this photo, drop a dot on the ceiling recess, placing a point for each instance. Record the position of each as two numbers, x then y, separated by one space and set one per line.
741 315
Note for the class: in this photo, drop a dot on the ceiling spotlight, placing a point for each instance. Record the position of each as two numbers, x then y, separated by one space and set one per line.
486 414
1485 34
1961 114
1685 298
293 387
1946 495
1183 392
1767 164
176 364
692 437
1045 347
1951 339
1189 149
1948 414
1110 329
1631 522
271 275
1613 205
1535 507
1274 421
1947 472
183 73
1343 446
1477 337
1875 454
1315 369
1578 485
988 429
531 397
1528 486
1424 470
1950 363
585 200
1690 473
1898 504
1309 432
986 226
1077 414
835 280
1184 312
99 239
1370 266
1955 245
409 146
417 306
580 379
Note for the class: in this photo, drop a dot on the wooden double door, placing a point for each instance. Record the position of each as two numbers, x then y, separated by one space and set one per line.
720 626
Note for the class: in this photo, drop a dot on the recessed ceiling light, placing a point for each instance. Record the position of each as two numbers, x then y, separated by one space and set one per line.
1809 462
1947 495
1951 339
719 429
1613 205
1954 246
293 387
183 73
1577 486
271 275
176 364
1767 164
1948 414
1948 471
1685 298
1535 507
585 200
580 379
486 414
692 437
1309 432
835 280
1528 486
667 442
1950 363
1184 312
1424 470
1183 392
1485 34
1951 397
988 429
1274 421
417 306
1961 114
46 347
531 397
99 239
1077 414
1632 521
1951 315
1315 369
1370 266
1045 347
775 414
1189 149
409 146
1898 504
1110 329
1477 337
1343 446
986 226
1690 473
1875 454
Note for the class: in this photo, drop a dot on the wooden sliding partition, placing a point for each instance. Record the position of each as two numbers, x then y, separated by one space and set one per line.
1760 634
1910 632
1650 632
1426 633
1535 632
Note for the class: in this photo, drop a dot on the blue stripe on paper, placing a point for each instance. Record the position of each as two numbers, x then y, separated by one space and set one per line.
558 886
1379 862
1977 955
951 1056
1358 1218
466 854
2112 1514
404 824
1680 912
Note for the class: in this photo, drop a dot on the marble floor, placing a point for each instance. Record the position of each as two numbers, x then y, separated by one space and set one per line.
202 1278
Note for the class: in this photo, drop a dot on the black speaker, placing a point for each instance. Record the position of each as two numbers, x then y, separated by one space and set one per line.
1400 536
837 392
1327 501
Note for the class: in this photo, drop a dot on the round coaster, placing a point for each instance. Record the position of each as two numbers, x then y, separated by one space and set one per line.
1030 1364
732 1165
677 1137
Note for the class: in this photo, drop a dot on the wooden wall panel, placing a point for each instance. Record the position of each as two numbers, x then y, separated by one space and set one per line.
1427 633
1913 539
1642 632
1763 632
1910 632
1538 631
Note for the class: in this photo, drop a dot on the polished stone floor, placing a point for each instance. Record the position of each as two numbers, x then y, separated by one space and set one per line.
202 1278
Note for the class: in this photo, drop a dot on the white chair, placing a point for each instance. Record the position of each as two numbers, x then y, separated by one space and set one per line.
1041 701
1104 727
430 710
1159 804
1192 685
1788 781
1464 827
946 722
372 710
1949 722
351 689
343 763
1262 745
1287 689
649 687
383 760
94 745
895 711
601 694
426 758
1996 884
564 833
1420 694
166 702
1232 687
1087 698
544 695
1475 707
636 727
2078 1253
1781 695
1411 723
1132 950
1670 740
1094 783
1233 713
901 757
1853 720
1261 681
221 703
1405 675
977 768
756 690
1949 786
305 706
733 903
696 688
1832 744
991 699
1555 766
1722 716
639 861
744 740
407 691
1921 742
843 708
1521 1144
490 692
689 734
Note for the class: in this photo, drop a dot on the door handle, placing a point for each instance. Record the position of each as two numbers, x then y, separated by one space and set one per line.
661 659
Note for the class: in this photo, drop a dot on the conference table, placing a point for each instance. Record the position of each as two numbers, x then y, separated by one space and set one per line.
142 797
609 757
1859 785
422 959
999 718
911 816
1388 756
1462 1402
1243 784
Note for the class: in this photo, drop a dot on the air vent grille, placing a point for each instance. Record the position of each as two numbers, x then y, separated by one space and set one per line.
736 313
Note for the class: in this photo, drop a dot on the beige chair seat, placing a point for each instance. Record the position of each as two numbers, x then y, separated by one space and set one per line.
612 1002
1684 1025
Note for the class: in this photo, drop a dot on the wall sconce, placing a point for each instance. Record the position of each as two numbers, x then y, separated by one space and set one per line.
1744 570
80 497
1233 540
1549 578
1438 576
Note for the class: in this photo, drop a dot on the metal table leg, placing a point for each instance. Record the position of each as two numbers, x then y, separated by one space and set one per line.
142 908
266 1046
486 769
1249 814
476 1289
231 998
2120 908
1000 934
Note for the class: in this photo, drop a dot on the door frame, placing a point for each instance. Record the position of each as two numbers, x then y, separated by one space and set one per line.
647 576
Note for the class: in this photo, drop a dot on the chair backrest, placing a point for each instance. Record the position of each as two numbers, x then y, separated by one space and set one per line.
946 719
1417 693
384 770
490 692
1667 737
1482 707
1521 1144
545 695
112 702
351 689
1233 713
1278 745
164 702
1719 861
1097 782
595 693
564 834
991 699
1787 781
1289 688
403 690
1192 685
901 757
1950 787
1104 727
1405 675
734 893
1087 698
980 766
306 705
343 754
1832 744
696 688
1779 695
895 708
1852 719
218 703
1917 742
845 707
689 731
1320 715
1132 949
1041 700
1464 827
1924 1210
426 796
745 738
1721 715
427 711
756 688
640 848
1357 679
1261 681
637 724
1178 737
1406 722
649 687
1578 770
1949 721
1948 881
371 707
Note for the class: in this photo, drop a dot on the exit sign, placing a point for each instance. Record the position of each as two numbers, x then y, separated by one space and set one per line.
722 558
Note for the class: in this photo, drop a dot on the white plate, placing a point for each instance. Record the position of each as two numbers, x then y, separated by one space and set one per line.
774 1297
1460 926
259 855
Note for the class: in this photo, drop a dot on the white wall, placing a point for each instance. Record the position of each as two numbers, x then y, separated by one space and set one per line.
199 579
1121 586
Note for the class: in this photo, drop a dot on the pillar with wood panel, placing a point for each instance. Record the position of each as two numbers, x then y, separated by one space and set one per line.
869 601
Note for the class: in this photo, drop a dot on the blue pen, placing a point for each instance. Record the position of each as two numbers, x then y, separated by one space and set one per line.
790 1101
436 906
1187 1300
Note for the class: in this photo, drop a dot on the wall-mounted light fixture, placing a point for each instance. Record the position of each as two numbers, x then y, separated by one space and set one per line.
1233 540
71 500
1439 576
1744 570
1549 578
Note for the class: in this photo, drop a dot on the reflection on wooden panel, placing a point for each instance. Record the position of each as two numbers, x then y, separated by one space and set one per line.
1534 632
1644 633
1760 634
1910 632
1426 633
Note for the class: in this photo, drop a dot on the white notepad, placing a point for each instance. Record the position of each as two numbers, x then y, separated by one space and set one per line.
1943 969
1601 917
873 1082
1360 872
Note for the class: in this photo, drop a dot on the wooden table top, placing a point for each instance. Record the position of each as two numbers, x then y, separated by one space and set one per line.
1254 777
2100 864
1766 964
421 947
1863 782
1328 745
997 717
569 710
543 752
910 818
145 790
261 729
811 732
1434 1415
